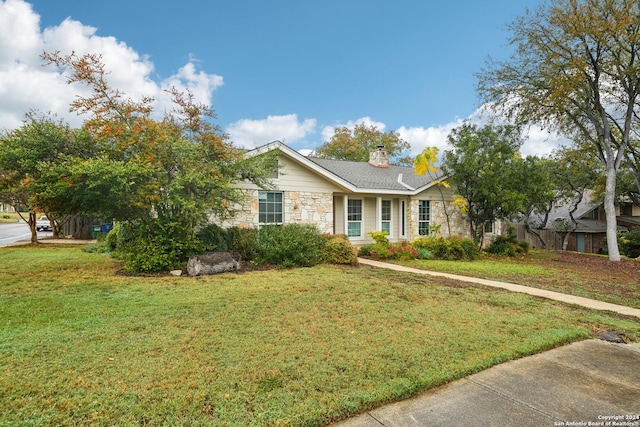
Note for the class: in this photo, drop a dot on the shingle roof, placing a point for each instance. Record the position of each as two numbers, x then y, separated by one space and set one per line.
584 224
366 176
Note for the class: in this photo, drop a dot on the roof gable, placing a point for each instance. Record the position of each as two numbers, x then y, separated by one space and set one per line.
359 177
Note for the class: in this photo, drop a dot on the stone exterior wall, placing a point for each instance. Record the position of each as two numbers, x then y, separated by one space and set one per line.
299 208
458 222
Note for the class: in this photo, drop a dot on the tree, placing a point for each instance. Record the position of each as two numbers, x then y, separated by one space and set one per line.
162 178
356 144
575 69
573 173
486 169
424 164
538 190
26 156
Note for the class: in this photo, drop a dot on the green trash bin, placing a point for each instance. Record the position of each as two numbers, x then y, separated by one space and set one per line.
95 230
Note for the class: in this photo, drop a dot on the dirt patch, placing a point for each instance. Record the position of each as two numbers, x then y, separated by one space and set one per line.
598 268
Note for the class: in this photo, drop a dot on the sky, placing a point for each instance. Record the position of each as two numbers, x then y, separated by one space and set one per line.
288 70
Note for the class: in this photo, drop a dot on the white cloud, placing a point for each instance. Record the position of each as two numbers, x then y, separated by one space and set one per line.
199 83
537 141
434 136
26 85
254 133
540 142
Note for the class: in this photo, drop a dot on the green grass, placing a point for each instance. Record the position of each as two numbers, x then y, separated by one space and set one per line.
81 344
545 269
9 217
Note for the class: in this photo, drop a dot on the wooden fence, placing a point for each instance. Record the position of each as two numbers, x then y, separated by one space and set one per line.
552 239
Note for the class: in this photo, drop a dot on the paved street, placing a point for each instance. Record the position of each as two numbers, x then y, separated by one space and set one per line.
14 232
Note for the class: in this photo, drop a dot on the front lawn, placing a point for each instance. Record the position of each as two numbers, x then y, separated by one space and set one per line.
585 275
82 344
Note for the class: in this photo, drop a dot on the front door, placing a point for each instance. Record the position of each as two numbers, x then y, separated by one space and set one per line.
580 242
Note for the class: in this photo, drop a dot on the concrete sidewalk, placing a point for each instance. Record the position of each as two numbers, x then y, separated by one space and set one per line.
588 383
569 299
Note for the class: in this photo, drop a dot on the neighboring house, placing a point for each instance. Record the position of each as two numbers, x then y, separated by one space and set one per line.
351 198
628 215
587 233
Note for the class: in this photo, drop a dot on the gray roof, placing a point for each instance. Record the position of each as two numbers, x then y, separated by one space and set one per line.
366 176
584 224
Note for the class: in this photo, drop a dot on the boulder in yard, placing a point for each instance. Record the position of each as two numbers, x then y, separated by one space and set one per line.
213 263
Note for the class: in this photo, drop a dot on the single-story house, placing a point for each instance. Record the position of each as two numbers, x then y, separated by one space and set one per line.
628 214
589 232
351 198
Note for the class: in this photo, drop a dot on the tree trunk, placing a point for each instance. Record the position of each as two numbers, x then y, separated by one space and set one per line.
565 241
32 227
530 230
610 213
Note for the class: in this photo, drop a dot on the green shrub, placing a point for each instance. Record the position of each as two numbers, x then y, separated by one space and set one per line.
508 245
115 237
470 248
5 216
448 248
380 237
156 245
291 245
376 250
424 253
365 250
145 255
244 241
100 247
338 250
629 243
214 238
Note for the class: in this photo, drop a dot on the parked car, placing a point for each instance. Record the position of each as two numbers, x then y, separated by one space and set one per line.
43 224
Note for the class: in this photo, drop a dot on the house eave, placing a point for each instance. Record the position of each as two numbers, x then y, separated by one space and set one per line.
303 161
337 180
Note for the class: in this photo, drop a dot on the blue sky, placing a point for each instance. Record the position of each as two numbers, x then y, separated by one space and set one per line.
278 69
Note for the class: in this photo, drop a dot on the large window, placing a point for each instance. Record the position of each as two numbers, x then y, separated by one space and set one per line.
270 207
354 218
385 216
424 216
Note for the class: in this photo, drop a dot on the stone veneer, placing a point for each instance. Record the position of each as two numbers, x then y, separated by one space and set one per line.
458 222
299 208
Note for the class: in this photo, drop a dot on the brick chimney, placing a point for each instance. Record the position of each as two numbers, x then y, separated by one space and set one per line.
379 157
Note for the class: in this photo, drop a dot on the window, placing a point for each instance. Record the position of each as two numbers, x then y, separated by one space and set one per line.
424 216
385 216
625 210
354 218
488 227
269 207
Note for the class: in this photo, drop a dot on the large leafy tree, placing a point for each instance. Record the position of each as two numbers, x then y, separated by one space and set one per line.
27 154
573 172
356 144
163 178
576 69
485 167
